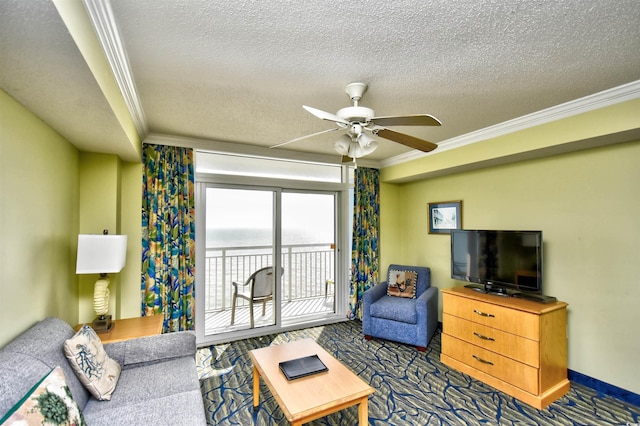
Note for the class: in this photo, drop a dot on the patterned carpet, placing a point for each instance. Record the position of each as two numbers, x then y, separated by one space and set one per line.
411 388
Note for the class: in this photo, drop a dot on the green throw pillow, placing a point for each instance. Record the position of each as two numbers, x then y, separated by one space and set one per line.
49 402
402 283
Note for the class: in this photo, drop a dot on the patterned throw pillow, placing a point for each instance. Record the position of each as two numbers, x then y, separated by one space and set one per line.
402 283
97 372
49 402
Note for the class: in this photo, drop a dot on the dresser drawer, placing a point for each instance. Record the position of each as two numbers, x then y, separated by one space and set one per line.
513 321
506 369
507 344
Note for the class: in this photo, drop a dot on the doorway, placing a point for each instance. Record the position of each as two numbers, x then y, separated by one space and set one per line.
248 229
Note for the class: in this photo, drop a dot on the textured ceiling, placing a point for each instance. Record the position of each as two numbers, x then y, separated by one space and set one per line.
239 71
41 67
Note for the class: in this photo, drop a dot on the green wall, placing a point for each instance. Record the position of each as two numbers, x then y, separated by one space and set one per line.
587 205
111 198
129 296
99 210
38 221
49 194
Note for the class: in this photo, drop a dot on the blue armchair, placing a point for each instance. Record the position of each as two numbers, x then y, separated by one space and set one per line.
405 320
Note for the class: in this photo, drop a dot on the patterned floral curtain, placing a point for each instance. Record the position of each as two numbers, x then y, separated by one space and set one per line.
168 236
366 225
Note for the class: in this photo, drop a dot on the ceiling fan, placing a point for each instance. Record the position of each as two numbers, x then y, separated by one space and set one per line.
357 120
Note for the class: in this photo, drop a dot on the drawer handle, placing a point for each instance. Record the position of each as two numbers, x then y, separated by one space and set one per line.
482 360
482 314
484 337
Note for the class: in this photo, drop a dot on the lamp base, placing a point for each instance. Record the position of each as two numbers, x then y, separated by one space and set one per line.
102 324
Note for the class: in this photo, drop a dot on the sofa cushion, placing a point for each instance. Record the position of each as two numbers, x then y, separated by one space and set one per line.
151 381
18 374
43 342
396 309
97 372
178 409
148 387
158 348
48 402
402 283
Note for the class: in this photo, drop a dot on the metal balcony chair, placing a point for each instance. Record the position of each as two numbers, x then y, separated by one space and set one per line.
257 288
328 282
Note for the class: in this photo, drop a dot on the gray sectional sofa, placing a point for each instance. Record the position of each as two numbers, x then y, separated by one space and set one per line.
158 384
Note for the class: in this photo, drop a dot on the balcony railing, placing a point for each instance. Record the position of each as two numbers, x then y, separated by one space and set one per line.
306 269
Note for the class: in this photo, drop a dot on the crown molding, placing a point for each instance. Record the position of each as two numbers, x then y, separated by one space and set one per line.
104 24
613 96
235 148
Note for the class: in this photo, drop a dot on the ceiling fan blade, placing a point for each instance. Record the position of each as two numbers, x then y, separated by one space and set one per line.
347 159
305 137
325 115
407 140
407 120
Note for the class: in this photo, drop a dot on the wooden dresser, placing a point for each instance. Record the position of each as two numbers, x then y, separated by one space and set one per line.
517 346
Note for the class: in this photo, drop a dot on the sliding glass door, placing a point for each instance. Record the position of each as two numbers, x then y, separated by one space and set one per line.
270 258
308 255
239 243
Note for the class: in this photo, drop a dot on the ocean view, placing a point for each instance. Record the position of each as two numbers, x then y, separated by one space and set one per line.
251 237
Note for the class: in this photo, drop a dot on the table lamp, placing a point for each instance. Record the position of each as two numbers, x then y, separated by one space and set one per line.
101 254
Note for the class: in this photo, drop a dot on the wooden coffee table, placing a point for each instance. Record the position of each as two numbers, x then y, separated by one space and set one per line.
308 398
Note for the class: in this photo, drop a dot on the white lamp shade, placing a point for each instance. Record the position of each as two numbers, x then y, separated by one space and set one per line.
101 254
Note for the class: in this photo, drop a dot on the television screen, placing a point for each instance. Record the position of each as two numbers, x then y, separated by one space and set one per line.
498 260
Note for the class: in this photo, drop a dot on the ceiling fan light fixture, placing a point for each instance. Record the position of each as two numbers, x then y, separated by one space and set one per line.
342 145
364 140
355 148
357 151
373 145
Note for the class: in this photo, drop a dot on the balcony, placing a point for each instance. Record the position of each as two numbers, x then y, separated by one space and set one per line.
305 287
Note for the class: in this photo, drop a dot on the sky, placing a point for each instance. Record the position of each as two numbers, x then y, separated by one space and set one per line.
234 208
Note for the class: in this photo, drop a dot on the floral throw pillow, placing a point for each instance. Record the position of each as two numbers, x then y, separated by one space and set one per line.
402 283
49 402
95 369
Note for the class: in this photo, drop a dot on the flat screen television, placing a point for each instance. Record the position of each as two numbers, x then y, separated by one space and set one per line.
499 262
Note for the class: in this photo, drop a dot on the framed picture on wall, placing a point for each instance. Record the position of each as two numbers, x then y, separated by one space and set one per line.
445 216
